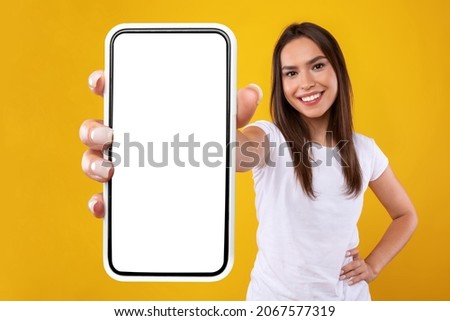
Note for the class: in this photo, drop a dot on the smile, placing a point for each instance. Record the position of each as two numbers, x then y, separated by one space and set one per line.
311 97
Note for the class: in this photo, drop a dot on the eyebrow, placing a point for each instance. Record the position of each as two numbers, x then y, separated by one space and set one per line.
312 61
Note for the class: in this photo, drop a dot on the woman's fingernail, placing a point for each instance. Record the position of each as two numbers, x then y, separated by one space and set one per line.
348 253
258 91
101 135
101 168
342 277
93 78
83 133
91 204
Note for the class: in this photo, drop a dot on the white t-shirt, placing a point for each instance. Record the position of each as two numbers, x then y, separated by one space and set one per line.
302 242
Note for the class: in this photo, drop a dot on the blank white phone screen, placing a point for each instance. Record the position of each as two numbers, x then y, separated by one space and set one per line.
169 106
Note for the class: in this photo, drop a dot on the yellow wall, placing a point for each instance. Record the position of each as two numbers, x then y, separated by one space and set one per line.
398 57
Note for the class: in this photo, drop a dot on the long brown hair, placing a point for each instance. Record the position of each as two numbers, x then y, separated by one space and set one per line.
294 128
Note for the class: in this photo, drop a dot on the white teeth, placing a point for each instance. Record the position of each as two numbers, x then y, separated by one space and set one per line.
312 97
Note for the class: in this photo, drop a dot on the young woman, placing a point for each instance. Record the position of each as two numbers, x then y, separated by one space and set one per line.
309 183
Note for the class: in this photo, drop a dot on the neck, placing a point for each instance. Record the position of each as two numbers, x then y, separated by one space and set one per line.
318 129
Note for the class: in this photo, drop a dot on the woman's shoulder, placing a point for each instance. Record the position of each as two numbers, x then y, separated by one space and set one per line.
365 145
362 140
264 125
371 157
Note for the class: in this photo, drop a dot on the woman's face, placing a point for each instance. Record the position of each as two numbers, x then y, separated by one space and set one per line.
309 81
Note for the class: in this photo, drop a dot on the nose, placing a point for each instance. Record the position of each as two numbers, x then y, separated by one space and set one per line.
307 81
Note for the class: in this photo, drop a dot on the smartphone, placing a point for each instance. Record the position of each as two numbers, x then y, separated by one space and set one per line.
170 97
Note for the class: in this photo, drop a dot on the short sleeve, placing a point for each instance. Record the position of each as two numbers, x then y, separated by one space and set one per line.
267 126
379 162
273 133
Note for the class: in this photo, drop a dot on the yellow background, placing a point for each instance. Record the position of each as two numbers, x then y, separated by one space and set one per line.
50 246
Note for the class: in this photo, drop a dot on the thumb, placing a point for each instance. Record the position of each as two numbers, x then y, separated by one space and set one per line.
353 253
247 102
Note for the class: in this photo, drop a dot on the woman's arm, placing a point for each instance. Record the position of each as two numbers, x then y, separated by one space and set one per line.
395 200
251 149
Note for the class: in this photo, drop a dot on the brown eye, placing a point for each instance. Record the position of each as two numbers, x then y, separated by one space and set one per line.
318 66
290 73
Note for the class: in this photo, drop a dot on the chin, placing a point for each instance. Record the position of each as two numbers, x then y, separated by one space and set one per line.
313 114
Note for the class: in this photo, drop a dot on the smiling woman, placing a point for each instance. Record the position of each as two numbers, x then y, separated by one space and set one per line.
308 214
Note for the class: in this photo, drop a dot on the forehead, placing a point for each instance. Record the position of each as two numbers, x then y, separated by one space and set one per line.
299 51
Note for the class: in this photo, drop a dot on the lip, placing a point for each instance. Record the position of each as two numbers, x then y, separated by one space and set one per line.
312 102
